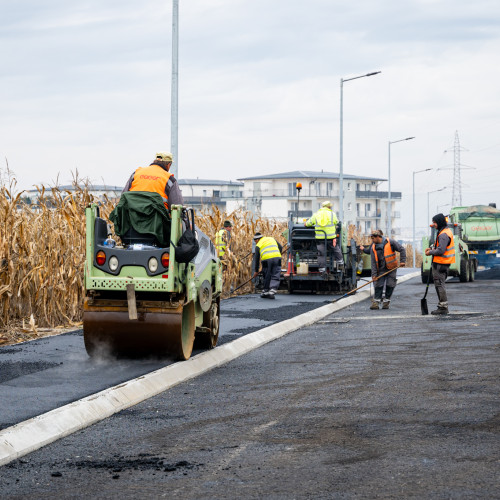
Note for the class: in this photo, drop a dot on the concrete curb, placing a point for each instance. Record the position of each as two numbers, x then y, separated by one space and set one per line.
36 432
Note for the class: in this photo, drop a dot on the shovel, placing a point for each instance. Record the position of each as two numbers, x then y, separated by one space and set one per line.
423 302
376 278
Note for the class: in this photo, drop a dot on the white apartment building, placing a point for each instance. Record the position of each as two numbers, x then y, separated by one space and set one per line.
275 196
199 192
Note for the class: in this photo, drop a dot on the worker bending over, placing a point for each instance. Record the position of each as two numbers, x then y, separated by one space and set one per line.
325 226
267 250
383 256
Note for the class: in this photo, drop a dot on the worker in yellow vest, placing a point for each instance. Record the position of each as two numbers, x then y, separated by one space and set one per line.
223 238
443 255
156 178
325 226
267 250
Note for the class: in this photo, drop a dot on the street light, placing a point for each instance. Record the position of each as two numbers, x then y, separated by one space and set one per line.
341 170
430 192
174 92
389 220
414 247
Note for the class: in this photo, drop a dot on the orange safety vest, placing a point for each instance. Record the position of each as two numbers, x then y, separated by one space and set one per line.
152 179
389 255
449 255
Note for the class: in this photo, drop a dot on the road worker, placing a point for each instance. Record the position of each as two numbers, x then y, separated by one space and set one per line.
223 238
325 225
443 255
383 257
267 250
156 178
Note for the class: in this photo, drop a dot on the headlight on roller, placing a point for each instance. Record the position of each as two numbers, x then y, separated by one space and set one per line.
113 263
153 264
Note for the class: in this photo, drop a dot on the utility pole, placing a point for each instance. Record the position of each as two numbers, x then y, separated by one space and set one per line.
174 93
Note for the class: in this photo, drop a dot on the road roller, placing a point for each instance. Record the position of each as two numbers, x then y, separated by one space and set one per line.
141 301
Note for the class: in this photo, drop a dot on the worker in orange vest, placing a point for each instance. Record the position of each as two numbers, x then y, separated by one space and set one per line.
156 178
383 257
443 255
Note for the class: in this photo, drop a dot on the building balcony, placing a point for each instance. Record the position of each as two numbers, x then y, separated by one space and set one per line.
379 195
369 214
285 193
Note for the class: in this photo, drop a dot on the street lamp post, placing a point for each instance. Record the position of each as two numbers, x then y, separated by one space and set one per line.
174 92
389 207
430 192
414 245
341 168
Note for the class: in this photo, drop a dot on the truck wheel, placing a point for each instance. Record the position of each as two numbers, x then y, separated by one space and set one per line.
472 270
464 270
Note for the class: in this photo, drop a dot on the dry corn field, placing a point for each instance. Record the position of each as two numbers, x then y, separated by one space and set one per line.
42 252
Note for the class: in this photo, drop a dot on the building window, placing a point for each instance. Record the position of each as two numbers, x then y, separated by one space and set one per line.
318 188
368 226
216 194
291 189
349 206
358 187
368 207
357 209
348 186
329 188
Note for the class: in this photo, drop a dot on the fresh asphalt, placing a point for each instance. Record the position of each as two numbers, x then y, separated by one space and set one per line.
363 404
38 376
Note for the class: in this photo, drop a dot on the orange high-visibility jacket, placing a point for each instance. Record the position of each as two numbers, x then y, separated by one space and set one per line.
389 255
153 179
449 254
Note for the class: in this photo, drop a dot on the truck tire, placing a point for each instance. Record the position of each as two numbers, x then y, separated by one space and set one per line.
472 270
464 270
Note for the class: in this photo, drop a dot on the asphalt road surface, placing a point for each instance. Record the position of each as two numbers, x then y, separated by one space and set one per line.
364 404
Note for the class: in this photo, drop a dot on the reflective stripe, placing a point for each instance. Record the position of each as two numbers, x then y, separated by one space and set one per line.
268 248
449 255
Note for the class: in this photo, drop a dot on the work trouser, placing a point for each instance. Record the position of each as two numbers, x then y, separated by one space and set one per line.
322 249
388 281
271 268
439 275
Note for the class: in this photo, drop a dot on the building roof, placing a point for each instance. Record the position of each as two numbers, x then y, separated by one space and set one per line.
207 182
308 174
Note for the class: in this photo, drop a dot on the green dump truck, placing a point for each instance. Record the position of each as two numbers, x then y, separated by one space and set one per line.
480 231
465 265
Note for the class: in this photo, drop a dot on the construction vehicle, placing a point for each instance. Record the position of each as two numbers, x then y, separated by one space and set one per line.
303 273
465 265
481 231
140 301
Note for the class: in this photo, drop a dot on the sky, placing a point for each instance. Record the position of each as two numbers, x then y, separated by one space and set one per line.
85 87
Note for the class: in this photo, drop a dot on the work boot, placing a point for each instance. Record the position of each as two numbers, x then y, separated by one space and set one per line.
375 304
267 295
386 303
272 291
440 310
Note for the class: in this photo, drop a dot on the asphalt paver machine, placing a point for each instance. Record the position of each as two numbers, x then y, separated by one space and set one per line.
303 271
